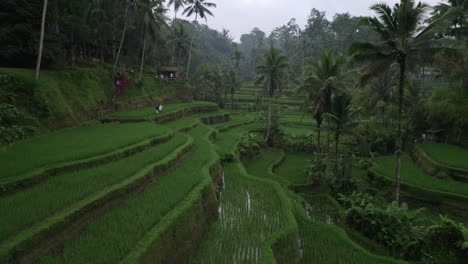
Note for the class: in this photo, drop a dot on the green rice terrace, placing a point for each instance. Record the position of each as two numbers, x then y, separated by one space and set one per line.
184 186
137 132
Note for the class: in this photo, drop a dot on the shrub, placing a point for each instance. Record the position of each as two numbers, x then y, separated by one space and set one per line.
447 241
396 228
248 145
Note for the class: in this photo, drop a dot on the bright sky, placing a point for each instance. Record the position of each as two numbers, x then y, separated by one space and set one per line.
240 16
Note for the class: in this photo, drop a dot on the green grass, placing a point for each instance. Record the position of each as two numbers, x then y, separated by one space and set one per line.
412 175
262 165
72 144
250 212
34 204
446 154
150 111
227 140
111 236
297 119
293 169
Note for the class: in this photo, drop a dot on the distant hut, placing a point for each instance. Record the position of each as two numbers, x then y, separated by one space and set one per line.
168 72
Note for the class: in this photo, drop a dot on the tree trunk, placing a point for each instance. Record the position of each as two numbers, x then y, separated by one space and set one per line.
41 40
190 52
337 142
143 54
267 137
319 123
399 135
173 48
121 41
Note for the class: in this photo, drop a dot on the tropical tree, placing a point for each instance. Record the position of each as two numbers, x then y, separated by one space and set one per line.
272 73
153 18
343 116
127 5
200 8
41 40
237 57
322 79
180 40
402 36
454 14
176 4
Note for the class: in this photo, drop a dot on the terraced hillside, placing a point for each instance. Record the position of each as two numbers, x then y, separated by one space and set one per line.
175 190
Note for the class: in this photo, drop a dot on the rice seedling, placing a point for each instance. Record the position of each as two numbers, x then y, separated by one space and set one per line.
262 166
29 207
327 244
111 236
412 175
293 169
446 154
143 113
250 211
73 144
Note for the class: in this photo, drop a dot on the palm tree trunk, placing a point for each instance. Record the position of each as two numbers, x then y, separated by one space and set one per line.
319 123
41 40
143 54
337 143
121 41
267 137
173 48
399 135
191 45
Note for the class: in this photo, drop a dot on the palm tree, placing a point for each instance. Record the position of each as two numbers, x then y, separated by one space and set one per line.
237 57
272 73
322 80
401 38
123 35
200 8
180 41
343 115
455 13
177 4
41 40
153 17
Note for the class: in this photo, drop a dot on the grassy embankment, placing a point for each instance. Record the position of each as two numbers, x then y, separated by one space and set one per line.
67 98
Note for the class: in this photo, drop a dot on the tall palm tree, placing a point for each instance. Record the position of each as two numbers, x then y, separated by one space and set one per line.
237 57
401 38
200 8
272 73
41 40
177 4
180 40
153 17
127 5
322 79
343 117
455 13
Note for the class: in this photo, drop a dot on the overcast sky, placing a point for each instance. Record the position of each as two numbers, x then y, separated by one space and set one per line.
240 16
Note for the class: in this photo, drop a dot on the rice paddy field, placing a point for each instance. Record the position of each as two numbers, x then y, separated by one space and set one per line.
448 155
72 144
412 175
184 196
149 112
